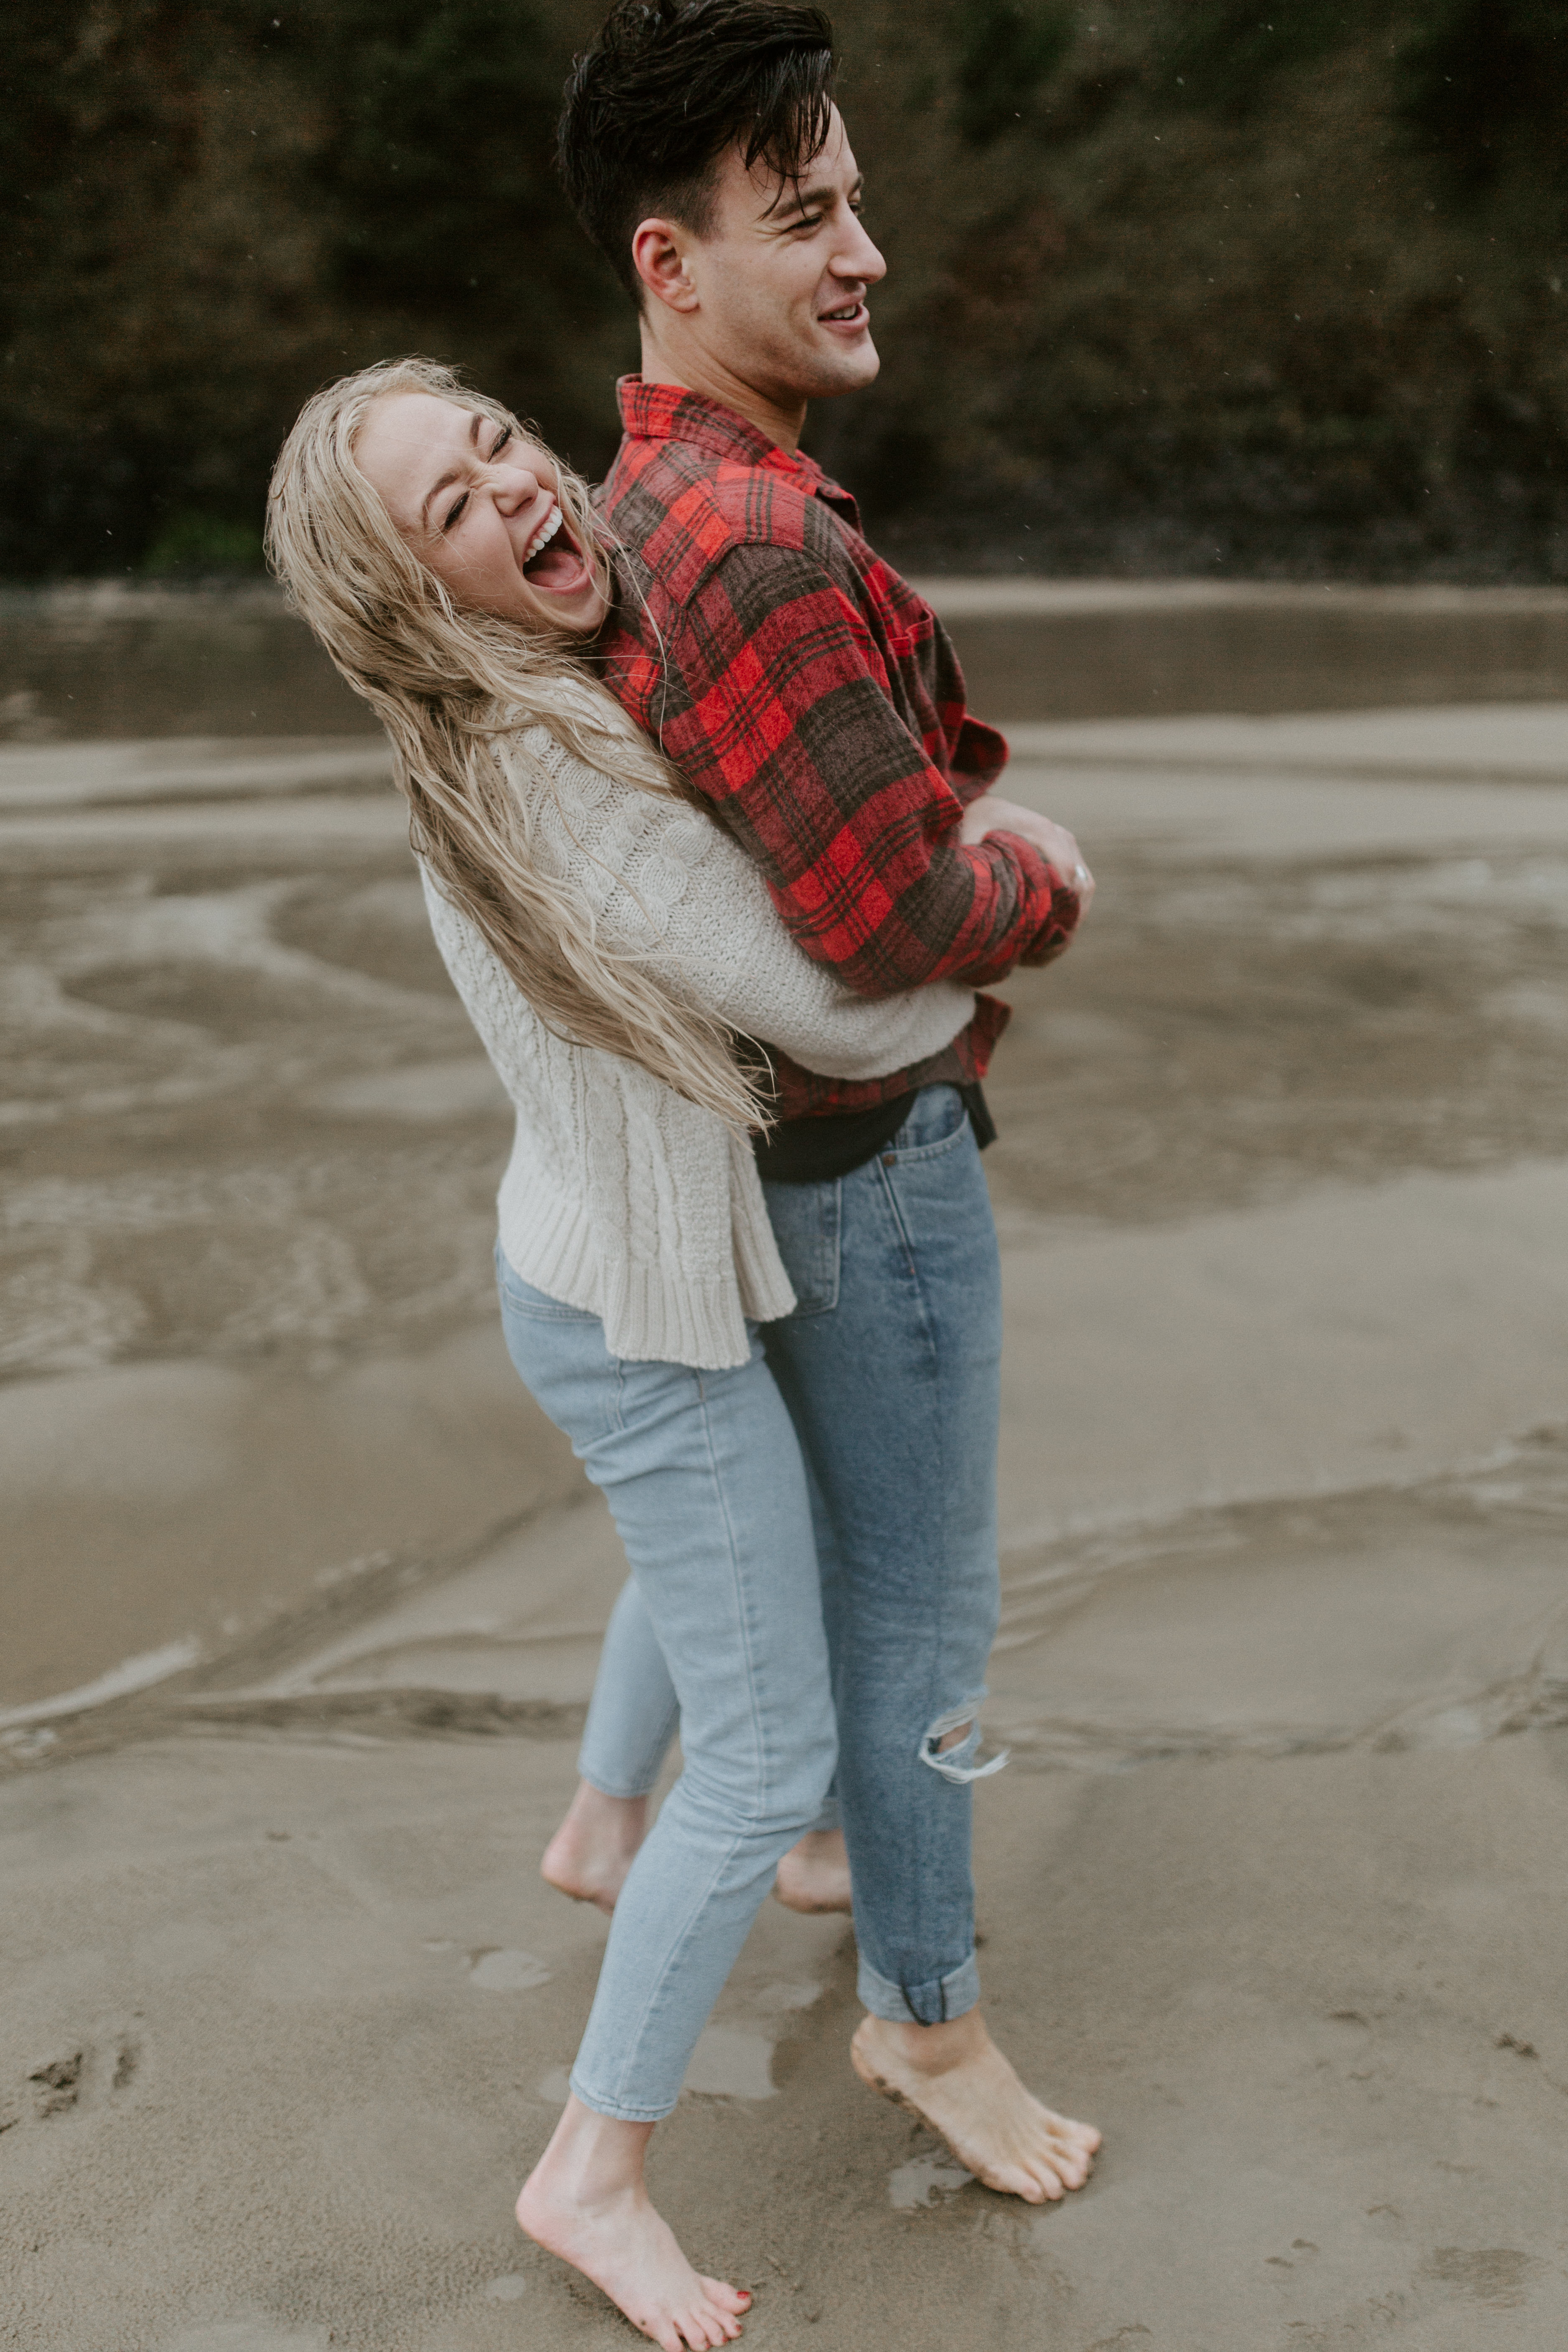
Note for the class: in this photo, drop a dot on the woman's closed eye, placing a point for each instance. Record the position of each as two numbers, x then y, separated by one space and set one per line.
455 512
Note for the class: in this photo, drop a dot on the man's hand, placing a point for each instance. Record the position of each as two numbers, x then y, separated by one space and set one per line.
1055 842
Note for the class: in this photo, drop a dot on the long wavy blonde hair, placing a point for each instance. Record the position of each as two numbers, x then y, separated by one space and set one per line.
445 683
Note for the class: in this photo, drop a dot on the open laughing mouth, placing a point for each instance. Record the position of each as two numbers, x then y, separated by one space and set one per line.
847 314
552 560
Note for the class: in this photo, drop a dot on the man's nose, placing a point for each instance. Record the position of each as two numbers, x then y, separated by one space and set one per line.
858 257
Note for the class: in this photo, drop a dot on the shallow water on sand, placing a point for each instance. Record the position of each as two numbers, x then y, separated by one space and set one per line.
249 1377
114 663
245 1116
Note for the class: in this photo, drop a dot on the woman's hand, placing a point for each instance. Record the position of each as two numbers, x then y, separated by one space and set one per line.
1055 842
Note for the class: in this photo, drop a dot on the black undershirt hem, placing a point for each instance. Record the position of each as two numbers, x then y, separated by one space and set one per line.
815 1150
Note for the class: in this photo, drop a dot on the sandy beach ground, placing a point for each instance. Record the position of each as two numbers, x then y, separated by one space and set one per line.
301 1596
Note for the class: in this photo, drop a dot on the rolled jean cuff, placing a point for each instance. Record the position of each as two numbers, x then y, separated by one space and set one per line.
617 2109
936 2002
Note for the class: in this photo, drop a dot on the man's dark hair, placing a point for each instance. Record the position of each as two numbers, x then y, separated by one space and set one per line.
667 89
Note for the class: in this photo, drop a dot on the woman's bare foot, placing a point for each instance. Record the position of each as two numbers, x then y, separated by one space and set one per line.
955 2079
586 2202
591 1852
814 1873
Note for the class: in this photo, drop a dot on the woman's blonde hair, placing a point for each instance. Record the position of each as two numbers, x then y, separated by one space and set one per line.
444 683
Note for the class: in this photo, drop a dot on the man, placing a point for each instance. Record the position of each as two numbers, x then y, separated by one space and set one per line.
814 701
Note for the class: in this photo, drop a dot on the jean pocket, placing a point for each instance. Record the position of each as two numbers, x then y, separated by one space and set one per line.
939 1122
523 1300
806 1223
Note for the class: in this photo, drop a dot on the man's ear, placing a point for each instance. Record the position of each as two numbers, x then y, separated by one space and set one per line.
659 257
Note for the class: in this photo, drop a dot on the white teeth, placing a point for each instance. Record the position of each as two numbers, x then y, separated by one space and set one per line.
542 536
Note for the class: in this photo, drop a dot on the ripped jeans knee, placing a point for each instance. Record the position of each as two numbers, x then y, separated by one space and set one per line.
955 1759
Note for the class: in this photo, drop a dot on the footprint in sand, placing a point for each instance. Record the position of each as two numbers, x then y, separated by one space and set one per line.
731 2063
926 2180
56 2084
71 2078
503 1970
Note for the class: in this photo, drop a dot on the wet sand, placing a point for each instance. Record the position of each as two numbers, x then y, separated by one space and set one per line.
301 1596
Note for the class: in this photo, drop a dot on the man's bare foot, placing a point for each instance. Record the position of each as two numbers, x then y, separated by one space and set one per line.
591 1852
955 2079
586 2202
814 1873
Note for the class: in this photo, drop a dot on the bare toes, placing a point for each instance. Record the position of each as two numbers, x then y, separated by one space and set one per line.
1078 2153
1016 2180
705 2329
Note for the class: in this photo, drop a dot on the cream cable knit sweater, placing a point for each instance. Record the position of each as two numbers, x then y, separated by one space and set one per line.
621 1197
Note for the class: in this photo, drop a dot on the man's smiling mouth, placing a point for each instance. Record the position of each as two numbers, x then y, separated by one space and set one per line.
847 314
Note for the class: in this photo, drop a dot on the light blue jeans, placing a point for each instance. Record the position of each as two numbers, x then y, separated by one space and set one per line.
703 1474
890 1369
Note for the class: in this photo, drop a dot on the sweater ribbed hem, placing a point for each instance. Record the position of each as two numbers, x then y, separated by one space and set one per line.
651 1314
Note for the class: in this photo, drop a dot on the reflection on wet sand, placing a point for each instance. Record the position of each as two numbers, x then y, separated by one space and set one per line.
1428 1615
1281 1186
252 1152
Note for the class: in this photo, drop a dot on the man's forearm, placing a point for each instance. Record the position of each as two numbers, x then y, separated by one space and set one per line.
809 764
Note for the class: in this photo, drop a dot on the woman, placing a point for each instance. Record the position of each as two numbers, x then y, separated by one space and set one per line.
608 941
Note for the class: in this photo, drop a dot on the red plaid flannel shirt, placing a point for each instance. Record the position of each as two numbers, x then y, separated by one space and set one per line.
814 701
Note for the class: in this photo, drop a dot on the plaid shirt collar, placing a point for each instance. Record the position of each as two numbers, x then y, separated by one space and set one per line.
668 412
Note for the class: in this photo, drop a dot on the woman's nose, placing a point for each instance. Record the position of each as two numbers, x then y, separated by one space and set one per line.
515 487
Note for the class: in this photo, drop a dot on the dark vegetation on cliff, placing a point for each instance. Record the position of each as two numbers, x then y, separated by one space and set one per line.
1176 285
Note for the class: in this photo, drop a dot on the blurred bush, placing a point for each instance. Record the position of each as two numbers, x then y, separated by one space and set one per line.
198 546
219 207
1267 285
